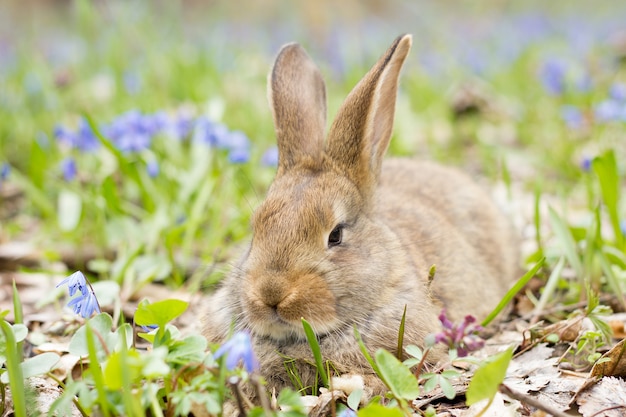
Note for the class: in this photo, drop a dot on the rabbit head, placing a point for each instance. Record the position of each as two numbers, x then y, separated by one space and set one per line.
317 251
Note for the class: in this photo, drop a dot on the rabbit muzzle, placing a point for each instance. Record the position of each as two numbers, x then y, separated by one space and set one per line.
276 304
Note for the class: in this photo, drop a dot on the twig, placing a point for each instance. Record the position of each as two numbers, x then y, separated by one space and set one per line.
234 384
267 409
615 407
526 399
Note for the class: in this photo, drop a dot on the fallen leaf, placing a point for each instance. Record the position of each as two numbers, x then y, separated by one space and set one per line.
497 408
615 365
606 399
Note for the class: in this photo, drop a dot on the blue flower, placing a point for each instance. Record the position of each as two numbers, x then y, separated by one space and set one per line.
239 156
68 167
585 164
179 126
239 350
608 111
270 157
5 170
75 282
348 412
131 131
132 82
83 138
572 116
85 303
153 168
210 133
618 92
552 76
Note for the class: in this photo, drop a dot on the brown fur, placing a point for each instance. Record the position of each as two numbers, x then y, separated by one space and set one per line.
400 217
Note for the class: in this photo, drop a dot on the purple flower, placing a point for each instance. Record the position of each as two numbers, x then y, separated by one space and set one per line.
585 164
463 337
68 167
552 76
85 303
270 157
239 350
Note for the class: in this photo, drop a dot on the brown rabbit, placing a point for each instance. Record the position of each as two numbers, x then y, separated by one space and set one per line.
346 239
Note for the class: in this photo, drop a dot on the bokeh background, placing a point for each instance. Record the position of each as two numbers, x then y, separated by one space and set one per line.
136 139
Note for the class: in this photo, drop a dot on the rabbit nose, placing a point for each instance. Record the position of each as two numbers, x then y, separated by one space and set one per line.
272 294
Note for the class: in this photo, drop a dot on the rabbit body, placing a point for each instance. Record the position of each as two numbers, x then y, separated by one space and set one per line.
346 240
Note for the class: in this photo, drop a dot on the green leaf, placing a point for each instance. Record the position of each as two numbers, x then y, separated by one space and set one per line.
159 313
514 290
101 325
354 399
69 210
487 379
447 388
40 364
377 410
20 331
190 349
398 377
315 348
114 367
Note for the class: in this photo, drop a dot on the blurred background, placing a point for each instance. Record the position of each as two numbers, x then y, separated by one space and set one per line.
135 136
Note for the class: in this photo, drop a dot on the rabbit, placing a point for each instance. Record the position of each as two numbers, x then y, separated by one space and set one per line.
346 239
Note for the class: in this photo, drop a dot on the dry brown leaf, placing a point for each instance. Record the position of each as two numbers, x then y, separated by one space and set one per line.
532 370
567 330
615 365
606 399
498 408
325 402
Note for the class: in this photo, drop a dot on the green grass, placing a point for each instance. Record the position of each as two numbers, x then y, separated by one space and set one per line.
184 226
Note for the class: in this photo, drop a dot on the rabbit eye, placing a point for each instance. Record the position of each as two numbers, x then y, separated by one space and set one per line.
335 236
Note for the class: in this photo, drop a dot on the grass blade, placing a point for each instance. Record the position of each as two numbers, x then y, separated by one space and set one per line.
16 378
315 348
548 290
514 290
96 371
401 335
566 238
363 348
18 314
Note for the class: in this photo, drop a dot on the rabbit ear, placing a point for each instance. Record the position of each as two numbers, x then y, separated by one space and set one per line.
297 96
359 136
